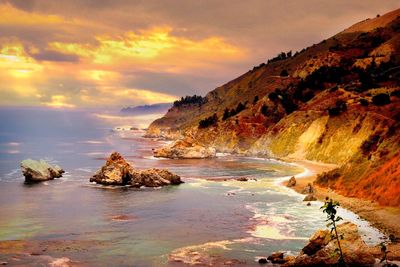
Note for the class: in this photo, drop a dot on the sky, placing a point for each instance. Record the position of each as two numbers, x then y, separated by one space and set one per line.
115 53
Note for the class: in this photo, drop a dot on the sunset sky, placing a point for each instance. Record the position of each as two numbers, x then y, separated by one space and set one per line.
105 53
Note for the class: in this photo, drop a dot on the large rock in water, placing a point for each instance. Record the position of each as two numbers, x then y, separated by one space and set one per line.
185 149
38 171
320 251
117 171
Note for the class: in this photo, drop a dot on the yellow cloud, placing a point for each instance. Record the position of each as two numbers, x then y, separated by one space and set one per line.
109 95
16 62
58 101
154 44
13 16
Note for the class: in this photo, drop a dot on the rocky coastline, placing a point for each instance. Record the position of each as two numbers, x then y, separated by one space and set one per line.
185 149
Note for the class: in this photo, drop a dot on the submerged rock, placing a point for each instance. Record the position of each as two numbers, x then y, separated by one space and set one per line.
38 171
185 149
117 171
291 182
262 261
320 251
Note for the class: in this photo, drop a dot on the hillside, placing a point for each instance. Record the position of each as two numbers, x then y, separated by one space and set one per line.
337 101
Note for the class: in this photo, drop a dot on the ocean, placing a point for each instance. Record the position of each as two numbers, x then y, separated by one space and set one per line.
210 219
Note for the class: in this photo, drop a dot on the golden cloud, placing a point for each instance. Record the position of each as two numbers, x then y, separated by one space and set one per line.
35 75
109 95
58 101
153 47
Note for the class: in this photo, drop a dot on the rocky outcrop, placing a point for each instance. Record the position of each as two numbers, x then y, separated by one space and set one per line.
291 182
117 171
185 149
320 251
38 171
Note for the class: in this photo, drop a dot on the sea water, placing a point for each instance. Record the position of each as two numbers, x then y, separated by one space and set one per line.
210 219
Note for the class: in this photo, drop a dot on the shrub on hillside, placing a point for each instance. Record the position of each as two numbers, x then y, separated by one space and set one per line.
340 107
284 73
273 96
381 99
232 112
395 93
364 102
264 110
255 100
187 100
209 121
370 144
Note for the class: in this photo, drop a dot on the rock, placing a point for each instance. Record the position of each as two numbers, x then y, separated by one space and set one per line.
38 171
309 189
309 197
308 204
320 251
291 182
276 257
242 179
61 262
117 171
262 261
154 178
185 149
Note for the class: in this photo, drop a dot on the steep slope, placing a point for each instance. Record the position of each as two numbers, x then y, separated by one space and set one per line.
335 102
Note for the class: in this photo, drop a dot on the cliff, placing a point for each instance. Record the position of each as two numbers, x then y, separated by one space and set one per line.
336 102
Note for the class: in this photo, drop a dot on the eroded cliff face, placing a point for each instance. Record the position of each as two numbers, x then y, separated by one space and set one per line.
339 103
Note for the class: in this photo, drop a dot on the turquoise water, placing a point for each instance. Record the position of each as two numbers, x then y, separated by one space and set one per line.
201 221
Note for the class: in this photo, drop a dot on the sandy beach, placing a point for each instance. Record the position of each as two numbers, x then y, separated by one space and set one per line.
383 218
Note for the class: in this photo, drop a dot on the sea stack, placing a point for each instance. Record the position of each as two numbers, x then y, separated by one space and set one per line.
38 171
117 171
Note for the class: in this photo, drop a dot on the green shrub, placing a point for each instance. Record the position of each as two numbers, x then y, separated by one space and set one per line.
209 121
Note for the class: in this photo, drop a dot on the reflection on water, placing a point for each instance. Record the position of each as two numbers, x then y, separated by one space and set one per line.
210 215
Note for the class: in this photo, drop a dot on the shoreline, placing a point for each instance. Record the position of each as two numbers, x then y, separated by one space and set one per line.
383 218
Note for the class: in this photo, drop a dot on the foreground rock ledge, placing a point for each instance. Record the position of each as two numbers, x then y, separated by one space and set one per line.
117 171
320 251
185 149
39 171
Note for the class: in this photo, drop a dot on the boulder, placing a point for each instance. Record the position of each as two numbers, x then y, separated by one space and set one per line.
185 149
242 179
309 189
291 182
262 261
276 257
320 250
117 171
38 171
309 197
